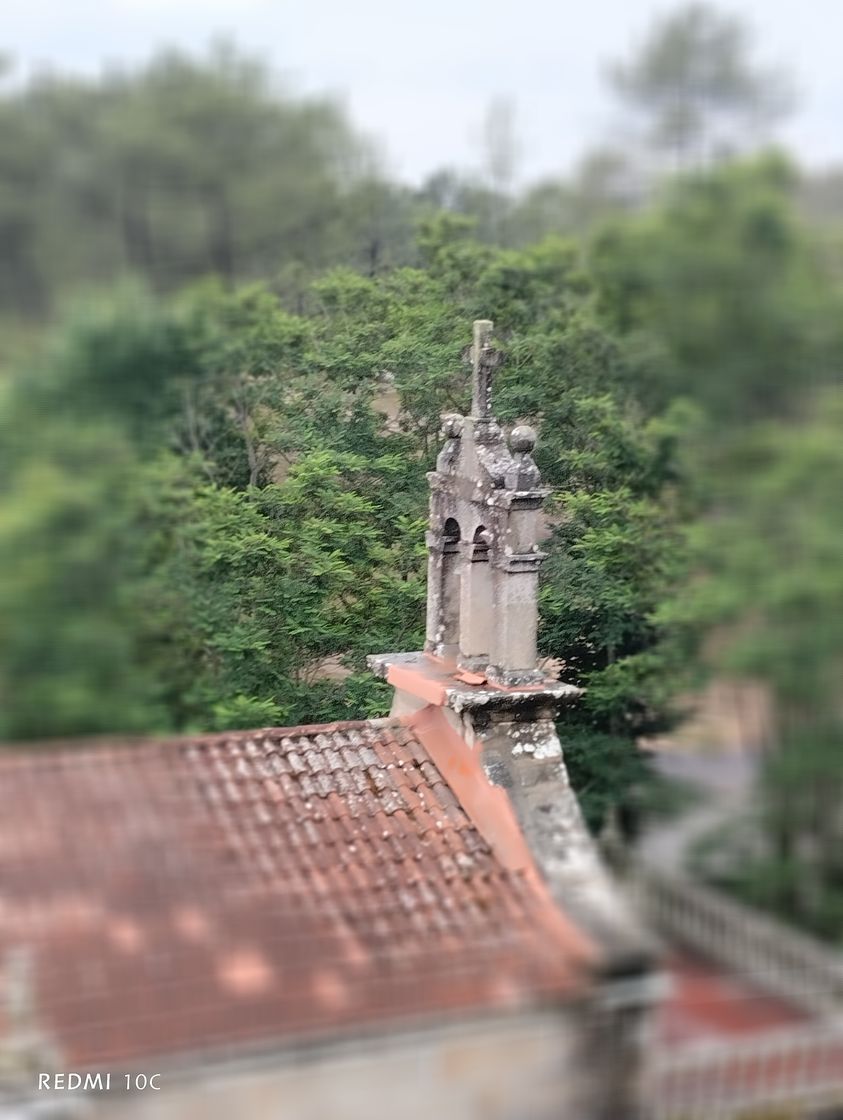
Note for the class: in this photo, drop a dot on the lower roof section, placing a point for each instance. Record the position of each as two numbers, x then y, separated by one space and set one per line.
159 897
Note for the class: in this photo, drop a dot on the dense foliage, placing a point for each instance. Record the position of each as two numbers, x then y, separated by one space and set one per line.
242 517
179 169
190 166
772 591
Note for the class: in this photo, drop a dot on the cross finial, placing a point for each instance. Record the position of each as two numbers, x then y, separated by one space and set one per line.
483 360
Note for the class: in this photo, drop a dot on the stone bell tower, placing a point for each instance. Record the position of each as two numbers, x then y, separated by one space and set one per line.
482 541
475 694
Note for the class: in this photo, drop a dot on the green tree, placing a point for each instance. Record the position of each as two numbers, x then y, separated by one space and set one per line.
769 583
697 87
72 659
181 168
260 592
723 293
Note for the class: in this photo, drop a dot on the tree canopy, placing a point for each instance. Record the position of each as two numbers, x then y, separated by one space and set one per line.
695 83
267 531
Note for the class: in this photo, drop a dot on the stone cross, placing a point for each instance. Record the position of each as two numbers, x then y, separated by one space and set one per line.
484 361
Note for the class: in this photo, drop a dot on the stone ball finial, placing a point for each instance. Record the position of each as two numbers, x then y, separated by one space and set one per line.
522 438
452 425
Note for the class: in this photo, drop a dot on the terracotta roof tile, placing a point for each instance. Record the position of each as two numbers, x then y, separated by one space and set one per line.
256 886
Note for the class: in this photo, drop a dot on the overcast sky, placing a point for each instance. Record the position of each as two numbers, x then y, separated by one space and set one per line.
418 74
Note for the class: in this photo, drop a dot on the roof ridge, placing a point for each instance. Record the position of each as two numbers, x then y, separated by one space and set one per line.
117 743
489 809
304 728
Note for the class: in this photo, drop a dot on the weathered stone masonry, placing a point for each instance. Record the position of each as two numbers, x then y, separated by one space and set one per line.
483 552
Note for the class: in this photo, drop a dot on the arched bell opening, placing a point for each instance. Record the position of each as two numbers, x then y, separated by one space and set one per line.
448 638
482 540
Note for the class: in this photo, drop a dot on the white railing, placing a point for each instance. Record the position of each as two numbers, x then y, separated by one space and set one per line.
786 1074
760 949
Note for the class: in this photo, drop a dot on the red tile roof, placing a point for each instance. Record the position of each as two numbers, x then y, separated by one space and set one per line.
251 887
